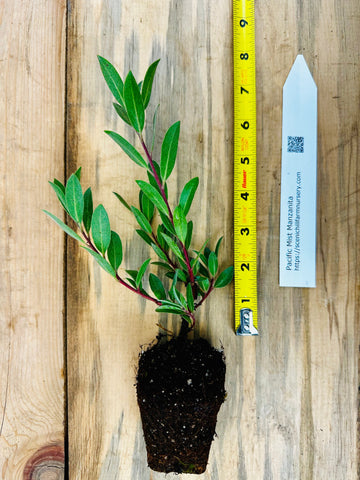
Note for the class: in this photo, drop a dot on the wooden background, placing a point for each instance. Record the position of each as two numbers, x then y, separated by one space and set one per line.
292 404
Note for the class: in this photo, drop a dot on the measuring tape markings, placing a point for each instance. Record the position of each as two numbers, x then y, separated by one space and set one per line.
245 256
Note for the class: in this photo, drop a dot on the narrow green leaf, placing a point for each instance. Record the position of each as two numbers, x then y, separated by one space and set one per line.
154 128
100 229
115 251
112 79
59 184
65 227
153 195
134 103
160 230
88 209
74 199
173 246
60 193
157 287
180 223
224 278
190 297
204 283
169 151
218 246
146 206
188 238
144 236
148 82
159 252
181 275
122 200
187 194
213 263
133 273
141 272
120 110
167 225
169 309
142 220
128 148
78 173
163 265
101 261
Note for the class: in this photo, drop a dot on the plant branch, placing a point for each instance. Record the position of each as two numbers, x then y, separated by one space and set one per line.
210 289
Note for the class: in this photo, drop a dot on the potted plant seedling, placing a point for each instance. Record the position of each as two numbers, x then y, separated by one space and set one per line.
180 382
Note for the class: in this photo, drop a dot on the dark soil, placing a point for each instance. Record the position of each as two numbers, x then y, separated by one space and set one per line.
180 388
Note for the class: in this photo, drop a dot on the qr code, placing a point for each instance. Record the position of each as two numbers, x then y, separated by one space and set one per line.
295 145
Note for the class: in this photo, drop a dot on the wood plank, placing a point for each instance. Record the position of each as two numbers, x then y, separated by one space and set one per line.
292 393
32 247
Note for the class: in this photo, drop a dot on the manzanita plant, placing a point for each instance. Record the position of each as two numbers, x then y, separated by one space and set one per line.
193 273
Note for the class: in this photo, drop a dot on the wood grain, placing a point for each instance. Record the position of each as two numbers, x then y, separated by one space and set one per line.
292 393
292 406
31 254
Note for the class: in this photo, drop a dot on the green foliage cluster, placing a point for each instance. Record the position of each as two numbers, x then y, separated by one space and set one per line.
193 273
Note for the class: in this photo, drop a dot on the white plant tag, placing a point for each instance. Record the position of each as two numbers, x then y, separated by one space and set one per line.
298 178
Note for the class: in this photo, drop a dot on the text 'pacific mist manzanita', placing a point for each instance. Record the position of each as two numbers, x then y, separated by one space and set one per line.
194 273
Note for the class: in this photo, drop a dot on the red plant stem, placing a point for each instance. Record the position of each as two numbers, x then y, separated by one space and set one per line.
162 191
118 278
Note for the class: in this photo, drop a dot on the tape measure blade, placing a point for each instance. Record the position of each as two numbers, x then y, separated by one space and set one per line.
245 257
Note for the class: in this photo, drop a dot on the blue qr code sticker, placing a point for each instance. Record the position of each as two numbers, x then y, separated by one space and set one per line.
295 145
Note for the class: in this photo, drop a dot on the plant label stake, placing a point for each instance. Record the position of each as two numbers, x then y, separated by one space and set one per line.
245 260
298 179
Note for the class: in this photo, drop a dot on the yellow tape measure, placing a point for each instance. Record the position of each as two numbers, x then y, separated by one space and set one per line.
245 259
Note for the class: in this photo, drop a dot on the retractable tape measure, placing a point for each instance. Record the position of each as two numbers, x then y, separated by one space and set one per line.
245 257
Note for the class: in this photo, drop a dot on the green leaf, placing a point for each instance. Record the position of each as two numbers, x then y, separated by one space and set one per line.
180 223
167 225
218 246
112 79
153 195
160 230
187 195
74 199
173 246
188 238
59 184
190 297
157 287
120 110
154 127
162 264
101 261
148 82
169 309
159 252
141 272
134 103
169 150
132 273
146 206
78 173
60 193
142 220
144 236
128 148
115 251
122 200
213 263
204 283
181 275
100 229
224 278
65 227
88 209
